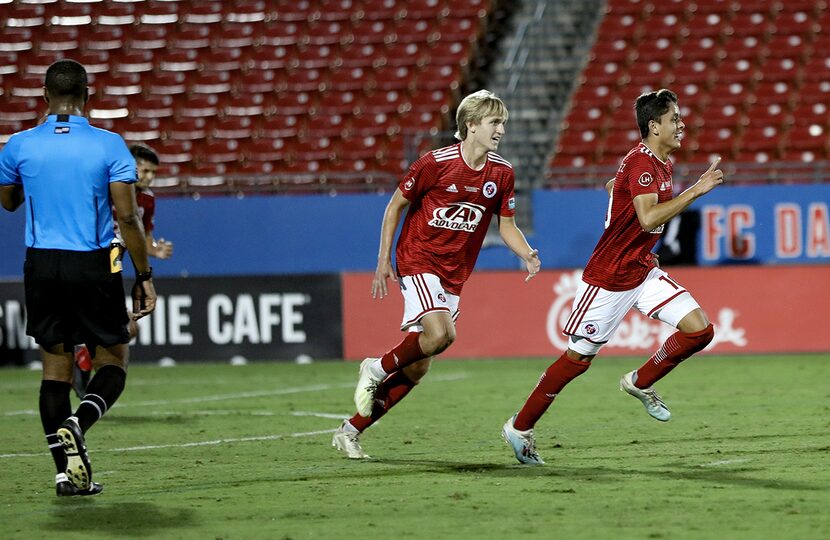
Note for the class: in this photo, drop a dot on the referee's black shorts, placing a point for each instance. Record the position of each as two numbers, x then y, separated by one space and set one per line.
72 297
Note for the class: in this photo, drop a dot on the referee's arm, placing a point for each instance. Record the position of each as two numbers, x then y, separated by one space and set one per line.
11 196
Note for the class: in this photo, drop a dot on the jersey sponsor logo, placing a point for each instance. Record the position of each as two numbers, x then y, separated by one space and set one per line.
461 216
645 179
511 203
61 130
490 189
452 189
409 184
658 230
471 189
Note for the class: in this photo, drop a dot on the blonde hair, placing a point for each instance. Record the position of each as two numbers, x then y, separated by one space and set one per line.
476 107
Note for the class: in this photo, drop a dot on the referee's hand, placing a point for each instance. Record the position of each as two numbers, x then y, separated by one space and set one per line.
144 298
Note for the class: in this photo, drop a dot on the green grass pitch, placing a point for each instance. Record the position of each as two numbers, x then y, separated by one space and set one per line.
214 451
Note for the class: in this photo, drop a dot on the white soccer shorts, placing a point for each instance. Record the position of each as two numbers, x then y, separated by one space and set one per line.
597 312
424 294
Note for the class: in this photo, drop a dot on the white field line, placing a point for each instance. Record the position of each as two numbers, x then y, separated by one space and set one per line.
242 395
192 444
722 462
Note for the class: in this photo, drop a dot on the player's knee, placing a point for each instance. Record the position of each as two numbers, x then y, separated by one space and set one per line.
699 340
437 342
418 370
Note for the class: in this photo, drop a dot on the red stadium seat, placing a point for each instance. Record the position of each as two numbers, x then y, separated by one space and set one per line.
209 82
191 36
233 127
381 9
425 9
401 53
326 33
374 125
184 60
394 78
271 58
307 80
253 105
221 60
134 62
808 138
186 129
245 11
388 102
257 82
111 14
315 57
324 126
448 53
121 84
469 8
19 109
437 99
420 30
103 38
749 23
299 10
161 13
760 144
165 84
219 151
458 30
273 35
198 106
24 86
152 106
203 13
140 130
267 150
71 15
278 127
172 151
294 103
773 114
147 37
374 32
338 103
769 92
786 46
362 56
437 77
16 40
59 39
235 37
349 79
780 69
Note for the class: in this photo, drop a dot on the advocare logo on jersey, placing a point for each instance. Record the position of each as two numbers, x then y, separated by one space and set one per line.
461 216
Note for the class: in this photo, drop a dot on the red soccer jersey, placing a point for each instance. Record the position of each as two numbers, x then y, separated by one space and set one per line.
146 202
450 209
623 257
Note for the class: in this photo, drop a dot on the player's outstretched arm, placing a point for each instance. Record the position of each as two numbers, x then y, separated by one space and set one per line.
652 214
516 241
391 218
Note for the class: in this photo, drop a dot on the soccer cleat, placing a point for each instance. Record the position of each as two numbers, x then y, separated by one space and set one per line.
367 387
348 442
522 442
64 488
651 399
78 468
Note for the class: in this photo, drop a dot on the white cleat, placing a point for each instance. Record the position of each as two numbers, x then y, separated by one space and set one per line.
522 442
348 442
651 399
367 387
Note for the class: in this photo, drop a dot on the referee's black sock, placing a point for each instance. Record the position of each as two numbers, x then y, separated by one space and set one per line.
54 409
101 392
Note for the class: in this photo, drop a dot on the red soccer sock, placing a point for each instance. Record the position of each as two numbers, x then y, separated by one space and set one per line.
407 352
553 380
677 348
393 389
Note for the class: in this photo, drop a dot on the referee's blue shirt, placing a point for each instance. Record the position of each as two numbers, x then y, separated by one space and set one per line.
66 166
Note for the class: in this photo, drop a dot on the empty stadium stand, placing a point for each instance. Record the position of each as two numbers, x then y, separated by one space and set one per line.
309 93
751 76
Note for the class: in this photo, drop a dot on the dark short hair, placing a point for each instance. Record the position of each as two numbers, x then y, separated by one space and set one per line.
142 151
66 78
651 106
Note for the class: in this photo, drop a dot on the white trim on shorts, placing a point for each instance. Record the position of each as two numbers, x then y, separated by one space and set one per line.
424 294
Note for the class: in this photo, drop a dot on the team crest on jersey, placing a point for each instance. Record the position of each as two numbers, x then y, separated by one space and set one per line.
442 298
511 203
409 183
461 216
490 189
645 179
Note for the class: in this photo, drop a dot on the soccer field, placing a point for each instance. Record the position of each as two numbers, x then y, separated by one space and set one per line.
214 451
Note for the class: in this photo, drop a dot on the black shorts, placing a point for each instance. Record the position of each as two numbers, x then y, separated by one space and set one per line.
72 297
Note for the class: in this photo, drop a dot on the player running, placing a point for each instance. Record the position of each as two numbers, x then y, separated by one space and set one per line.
622 273
450 195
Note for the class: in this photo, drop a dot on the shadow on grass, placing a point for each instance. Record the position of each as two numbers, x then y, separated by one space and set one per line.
733 477
87 515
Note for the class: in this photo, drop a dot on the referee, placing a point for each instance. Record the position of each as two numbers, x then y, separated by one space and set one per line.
67 173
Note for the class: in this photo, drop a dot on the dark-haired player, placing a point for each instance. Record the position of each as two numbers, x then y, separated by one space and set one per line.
622 273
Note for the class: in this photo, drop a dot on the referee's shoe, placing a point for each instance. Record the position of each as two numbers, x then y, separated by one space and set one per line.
64 488
78 469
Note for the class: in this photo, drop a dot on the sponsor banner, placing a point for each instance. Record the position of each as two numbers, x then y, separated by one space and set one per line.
754 310
260 318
